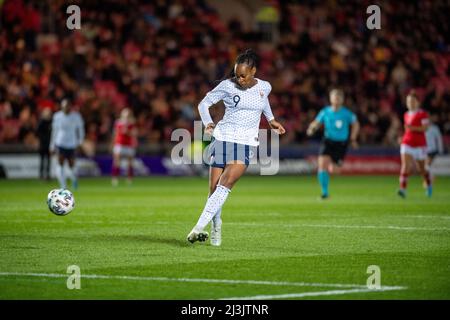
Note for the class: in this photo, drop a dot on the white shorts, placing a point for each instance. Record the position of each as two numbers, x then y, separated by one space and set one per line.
124 151
418 153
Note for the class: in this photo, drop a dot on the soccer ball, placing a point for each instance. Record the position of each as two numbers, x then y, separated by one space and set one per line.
60 201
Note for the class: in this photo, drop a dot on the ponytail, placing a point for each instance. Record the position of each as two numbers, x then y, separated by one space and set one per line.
249 57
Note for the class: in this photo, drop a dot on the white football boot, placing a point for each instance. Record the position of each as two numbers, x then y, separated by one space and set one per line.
195 235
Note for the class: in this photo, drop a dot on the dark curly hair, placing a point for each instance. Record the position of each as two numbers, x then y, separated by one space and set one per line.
249 57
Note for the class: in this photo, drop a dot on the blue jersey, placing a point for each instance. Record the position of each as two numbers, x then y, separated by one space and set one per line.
336 123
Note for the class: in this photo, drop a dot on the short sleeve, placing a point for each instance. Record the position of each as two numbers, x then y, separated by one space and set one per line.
424 121
320 117
352 116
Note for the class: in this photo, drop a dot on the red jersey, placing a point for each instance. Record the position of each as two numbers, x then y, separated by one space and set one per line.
416 119
124 135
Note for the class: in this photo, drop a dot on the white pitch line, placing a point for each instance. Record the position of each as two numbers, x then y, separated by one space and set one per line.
428 217
374 227
83 222
251 224
225 281
246 224
310 294
290 225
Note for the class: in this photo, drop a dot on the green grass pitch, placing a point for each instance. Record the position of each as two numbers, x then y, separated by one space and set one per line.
279 240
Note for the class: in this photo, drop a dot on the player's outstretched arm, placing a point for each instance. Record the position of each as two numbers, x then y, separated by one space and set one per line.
313 127
80 128
210 128
53 135
278 127
354 134
211 98
440 142
113 138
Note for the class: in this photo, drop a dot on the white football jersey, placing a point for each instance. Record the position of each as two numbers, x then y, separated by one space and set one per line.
434 139
67 130
243 108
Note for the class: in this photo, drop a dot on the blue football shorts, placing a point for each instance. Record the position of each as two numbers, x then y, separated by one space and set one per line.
65 152
223 152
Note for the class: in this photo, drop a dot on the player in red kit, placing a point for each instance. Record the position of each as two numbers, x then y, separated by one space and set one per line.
125 143
414 146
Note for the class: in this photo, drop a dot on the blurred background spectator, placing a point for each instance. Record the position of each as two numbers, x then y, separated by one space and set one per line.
44 132
160 58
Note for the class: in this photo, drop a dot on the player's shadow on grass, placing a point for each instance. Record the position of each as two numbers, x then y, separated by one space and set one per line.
146 239
122 238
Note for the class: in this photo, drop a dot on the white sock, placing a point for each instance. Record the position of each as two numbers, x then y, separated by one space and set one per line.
60 176
213 205
71 173
217 218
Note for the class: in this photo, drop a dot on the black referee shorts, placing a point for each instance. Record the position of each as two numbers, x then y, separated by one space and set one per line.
335 149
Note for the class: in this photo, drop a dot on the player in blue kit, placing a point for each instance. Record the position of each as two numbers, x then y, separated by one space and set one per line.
235 137
341 128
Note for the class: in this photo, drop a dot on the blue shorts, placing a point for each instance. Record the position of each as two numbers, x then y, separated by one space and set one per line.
65 152
222 152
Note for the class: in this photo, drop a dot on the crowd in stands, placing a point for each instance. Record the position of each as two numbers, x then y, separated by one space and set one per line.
160 58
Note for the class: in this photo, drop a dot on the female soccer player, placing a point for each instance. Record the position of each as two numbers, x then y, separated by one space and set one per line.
125 142
337 120
435 144
235 137
414 145
67 136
